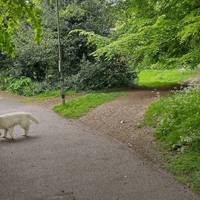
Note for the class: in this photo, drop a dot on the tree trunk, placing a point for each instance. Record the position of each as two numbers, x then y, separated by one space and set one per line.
62 91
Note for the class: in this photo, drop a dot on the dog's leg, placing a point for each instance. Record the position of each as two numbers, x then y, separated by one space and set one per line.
26 127
26 130
5 133
11 133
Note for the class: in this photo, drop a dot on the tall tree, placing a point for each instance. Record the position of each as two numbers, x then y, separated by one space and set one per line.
154 33
59 54
40 59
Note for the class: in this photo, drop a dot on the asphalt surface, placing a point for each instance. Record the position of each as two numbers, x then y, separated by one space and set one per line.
61 161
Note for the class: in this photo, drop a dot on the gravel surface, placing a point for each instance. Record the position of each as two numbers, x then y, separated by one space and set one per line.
123 120
61 160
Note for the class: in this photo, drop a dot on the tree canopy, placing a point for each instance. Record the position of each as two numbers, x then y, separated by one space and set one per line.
12 14
154 34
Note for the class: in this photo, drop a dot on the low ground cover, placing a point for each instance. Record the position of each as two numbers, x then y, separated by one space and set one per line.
177 128
76 108
163 78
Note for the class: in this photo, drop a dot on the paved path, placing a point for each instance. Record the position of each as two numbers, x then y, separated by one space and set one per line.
59 161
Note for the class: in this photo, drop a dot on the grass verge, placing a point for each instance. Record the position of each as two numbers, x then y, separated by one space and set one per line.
163 78
78 107
49 95
176 120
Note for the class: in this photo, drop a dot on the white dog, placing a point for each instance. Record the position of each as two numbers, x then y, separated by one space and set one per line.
10 120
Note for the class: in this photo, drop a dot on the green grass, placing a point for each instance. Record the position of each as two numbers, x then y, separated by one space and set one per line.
163 78
176 120
49 95
186 167
78 107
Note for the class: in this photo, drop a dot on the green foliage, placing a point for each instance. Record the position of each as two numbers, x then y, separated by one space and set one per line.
73 10
14 12
176 121
92 38
78 107
154 34
42 87
186 167
90 15
21 86
39 62
172 115
163 78
4 82
24 85
103 74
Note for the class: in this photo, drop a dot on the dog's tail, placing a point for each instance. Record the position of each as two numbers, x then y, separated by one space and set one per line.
33 119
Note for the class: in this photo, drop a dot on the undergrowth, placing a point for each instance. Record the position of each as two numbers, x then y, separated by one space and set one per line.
176 120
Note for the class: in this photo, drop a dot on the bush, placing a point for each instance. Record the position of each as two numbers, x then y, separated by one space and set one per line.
102 74
22 86
42 87
25 86
4 82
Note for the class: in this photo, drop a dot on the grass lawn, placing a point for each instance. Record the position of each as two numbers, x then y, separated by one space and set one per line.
176 120
49 95
78 107
163 78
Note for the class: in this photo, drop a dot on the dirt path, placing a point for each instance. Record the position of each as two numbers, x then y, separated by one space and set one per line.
123 120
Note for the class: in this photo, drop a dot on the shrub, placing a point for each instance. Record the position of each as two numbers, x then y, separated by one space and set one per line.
4 82
102 74
21 86
25 86
42 87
